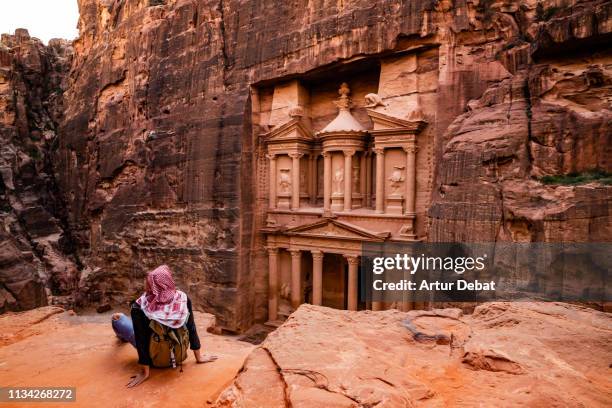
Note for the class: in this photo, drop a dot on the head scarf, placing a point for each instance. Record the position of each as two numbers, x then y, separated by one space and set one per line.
162 302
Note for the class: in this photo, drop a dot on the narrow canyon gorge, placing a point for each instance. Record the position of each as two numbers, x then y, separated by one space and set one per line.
256 146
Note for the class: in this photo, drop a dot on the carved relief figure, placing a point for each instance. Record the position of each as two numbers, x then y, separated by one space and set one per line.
284 182
355 179
285 291
373 100
303 182
339 180
396 178
319 177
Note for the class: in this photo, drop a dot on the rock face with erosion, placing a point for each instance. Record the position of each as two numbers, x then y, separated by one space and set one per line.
160 156
35 250
520 354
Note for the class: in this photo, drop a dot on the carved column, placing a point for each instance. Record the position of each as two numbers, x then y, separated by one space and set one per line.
368 173
272 284
380 179
272 158
353 262
327 182
296 278
317 277
295 182
362 179
348 182
312 178
410 179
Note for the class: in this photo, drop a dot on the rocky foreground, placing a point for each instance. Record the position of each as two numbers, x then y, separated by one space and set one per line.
520 354
51 347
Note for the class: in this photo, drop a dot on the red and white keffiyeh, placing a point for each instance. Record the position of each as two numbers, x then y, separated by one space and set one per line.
162 302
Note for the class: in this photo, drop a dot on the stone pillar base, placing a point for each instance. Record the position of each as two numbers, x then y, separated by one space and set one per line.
337 202
357 200
394 204
284 201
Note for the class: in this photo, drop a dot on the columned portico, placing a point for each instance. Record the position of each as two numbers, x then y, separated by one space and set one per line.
272 284
348 182
353 262
322 211
272 159
317 277
411 180
296 280
335 248
380 179
312 180
327 181
295 182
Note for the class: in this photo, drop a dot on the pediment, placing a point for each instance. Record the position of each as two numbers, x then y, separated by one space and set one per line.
330 228
384 121
290 131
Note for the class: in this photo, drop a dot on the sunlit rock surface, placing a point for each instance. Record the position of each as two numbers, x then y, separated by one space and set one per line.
520 354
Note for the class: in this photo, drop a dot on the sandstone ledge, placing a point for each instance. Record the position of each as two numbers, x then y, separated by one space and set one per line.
519 354
49 347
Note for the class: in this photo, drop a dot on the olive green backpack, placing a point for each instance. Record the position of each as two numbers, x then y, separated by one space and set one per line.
168 346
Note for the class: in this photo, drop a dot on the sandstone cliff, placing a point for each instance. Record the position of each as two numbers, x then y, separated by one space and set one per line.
158 150
522 354
35 248
547 114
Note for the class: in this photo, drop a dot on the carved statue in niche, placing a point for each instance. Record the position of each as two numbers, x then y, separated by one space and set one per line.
303 182
284 182
339 180
355 179
285 291
396 178
319 177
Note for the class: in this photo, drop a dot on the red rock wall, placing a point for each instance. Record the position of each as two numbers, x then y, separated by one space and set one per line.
37 262
155 157
157 148
547 113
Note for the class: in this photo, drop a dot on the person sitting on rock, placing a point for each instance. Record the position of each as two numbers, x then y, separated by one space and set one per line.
162 323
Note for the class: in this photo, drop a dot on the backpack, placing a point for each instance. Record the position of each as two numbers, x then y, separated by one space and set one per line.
168 346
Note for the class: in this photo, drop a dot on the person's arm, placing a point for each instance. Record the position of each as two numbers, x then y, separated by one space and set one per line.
142 335
194 339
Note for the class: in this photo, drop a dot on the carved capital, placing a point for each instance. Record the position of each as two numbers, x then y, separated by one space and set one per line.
379 150
317 255
271 156
295 155
295 252
326 154
352 259
410 149
272 251
348 152
296 111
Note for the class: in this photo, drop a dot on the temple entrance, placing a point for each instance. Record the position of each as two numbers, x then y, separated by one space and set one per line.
335 270
335 282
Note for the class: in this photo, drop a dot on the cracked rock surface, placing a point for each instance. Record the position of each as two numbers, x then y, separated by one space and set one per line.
519 354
